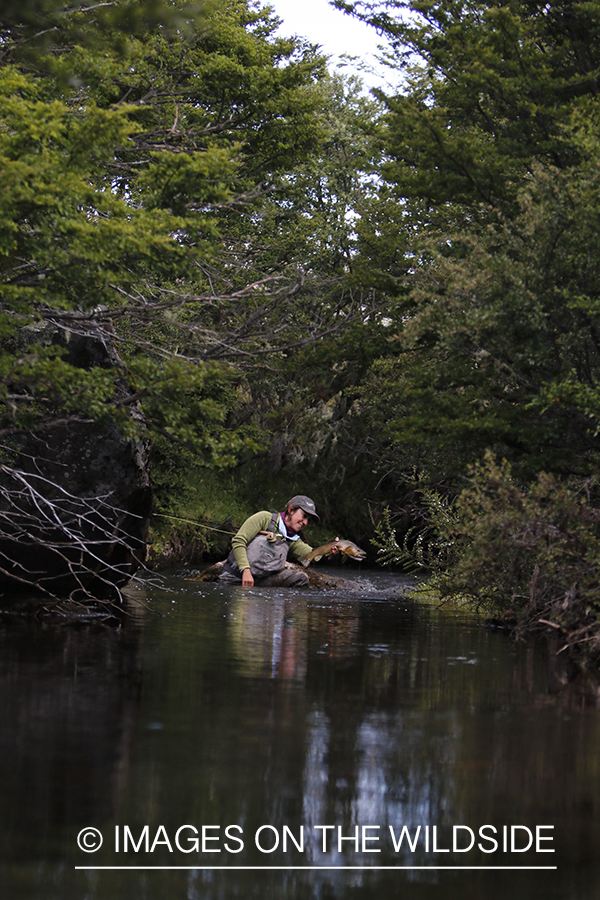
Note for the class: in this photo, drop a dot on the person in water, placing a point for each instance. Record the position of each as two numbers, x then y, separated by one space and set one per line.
262 545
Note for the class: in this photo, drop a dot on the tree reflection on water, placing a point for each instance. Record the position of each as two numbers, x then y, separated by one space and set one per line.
290 709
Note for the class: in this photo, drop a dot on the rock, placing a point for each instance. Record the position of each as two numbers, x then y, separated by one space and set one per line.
75 497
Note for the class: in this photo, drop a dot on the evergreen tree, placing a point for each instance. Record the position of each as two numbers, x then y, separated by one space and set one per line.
484 232
133 135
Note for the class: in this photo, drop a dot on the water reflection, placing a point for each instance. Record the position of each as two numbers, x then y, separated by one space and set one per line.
267 638
68 700
275 709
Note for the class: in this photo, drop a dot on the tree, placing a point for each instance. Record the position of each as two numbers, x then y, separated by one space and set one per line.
134 133
486 232
487 90
486 204
141 144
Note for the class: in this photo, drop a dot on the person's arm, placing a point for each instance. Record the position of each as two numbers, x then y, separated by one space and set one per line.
251 527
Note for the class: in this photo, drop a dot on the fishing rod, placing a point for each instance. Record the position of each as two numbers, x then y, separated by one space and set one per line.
192 522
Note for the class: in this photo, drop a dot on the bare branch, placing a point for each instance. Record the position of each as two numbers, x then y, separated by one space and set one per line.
48 534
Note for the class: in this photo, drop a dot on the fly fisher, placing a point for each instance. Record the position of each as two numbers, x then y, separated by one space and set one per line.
263 543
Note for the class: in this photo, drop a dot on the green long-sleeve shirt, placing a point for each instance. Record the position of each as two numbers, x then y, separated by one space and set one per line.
260 521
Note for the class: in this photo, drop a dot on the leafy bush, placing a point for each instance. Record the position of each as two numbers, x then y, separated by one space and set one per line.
530 552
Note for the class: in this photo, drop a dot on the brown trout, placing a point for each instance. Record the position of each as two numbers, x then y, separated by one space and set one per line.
346 548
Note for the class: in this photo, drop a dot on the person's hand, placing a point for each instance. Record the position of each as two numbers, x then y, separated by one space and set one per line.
247 579
334 550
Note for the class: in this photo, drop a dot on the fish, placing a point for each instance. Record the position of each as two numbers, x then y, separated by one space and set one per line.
346 548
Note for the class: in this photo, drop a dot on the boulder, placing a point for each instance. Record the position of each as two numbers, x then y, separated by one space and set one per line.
75 497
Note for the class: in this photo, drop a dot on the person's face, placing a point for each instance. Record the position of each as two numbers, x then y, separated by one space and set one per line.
296 520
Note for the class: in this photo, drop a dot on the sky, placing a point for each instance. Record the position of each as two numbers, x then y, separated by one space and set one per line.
336 32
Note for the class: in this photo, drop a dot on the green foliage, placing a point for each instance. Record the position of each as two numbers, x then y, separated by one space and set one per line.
197 507
500 349
38 382
316 205
134 139
531 550
190 405
545 540
429 544
487 88
484 233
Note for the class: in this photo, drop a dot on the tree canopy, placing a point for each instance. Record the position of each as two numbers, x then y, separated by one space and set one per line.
330 289
483 228
140 142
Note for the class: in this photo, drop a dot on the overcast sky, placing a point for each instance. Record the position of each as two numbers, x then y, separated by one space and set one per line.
336 32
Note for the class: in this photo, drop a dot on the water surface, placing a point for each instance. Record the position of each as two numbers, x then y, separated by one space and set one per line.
325 722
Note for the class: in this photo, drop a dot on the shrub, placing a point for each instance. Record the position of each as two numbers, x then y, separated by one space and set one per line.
529 552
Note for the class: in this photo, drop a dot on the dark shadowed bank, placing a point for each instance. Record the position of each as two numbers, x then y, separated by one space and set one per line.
75 495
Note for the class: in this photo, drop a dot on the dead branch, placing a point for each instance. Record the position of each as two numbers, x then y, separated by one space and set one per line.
41 521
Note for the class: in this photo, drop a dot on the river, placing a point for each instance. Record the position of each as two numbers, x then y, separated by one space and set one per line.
248 743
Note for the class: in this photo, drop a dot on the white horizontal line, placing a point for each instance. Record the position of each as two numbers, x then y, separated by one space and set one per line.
318 868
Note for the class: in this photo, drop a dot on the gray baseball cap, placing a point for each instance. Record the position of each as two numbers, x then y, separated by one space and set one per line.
304 503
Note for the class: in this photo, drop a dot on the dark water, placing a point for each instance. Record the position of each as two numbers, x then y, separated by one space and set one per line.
325 722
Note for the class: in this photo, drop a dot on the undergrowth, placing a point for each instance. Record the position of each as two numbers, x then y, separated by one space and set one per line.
527 553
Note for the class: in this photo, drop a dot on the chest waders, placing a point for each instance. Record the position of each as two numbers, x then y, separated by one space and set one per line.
267 553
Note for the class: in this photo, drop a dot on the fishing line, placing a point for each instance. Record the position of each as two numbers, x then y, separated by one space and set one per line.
192 522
